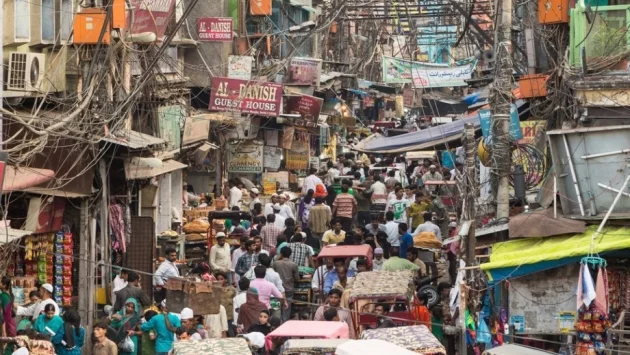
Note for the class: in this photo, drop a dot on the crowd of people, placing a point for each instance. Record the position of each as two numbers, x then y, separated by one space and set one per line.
345 204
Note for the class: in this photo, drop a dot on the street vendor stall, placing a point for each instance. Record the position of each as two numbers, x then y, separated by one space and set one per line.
312 346
417 338
369 288
371 347
222 346
308 330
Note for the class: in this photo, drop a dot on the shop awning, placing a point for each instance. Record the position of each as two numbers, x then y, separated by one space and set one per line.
133 139
136 168
8 234
527 256
23 178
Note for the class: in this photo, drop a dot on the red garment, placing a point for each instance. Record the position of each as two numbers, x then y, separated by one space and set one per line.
421 314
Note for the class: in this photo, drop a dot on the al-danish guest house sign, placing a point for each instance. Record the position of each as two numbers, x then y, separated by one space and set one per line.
249 97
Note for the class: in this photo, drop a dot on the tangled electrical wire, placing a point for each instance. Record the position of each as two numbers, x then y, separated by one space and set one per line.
535 162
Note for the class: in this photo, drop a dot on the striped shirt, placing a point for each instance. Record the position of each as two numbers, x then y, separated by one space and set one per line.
345 204
269 234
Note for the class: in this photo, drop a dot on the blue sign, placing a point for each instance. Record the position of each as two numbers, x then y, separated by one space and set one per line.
485 120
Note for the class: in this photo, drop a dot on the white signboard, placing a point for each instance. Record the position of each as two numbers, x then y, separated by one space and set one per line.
272 157
240 67
438 77
245 158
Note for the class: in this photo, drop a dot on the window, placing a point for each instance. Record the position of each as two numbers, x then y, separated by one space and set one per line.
66 18
48 20
22 20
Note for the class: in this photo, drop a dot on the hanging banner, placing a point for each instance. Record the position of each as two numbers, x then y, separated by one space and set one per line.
151 16
214 29
272 157
308 107
485 120
425 75
304 71
297 156
240 67
245 158
249 97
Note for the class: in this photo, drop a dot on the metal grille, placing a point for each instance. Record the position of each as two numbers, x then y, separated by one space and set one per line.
141 249
17 71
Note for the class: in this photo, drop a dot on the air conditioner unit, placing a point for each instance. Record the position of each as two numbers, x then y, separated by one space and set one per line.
26 71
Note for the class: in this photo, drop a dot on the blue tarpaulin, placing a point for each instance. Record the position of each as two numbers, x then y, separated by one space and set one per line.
424 138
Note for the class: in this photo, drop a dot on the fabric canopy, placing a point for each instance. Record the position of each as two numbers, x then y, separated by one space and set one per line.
309 329
525 256
371 347
540 223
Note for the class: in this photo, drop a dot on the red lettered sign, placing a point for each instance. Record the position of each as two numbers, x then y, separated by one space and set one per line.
250 97
214 29
306 106
151 16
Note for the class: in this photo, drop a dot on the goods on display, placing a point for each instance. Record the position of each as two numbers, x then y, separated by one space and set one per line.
591 331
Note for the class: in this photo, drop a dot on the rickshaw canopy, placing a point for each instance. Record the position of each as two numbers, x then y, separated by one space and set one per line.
310 330
346 251
382 284
312 346
417 338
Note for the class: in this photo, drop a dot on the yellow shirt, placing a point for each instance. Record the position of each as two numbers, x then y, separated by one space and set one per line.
331 238
416 211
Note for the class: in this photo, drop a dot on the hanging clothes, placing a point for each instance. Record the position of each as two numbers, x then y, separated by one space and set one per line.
117 225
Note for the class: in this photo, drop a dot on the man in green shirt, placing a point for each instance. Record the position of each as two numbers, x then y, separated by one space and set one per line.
396 263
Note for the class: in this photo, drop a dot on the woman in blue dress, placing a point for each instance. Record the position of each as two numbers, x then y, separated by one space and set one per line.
50 324
72 334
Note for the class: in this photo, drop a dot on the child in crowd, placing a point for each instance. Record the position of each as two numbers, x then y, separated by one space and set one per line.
263 325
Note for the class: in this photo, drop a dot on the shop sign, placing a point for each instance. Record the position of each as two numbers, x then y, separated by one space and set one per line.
249 97
195 130
272 157
425 75
304 71
485 120
45 214
245 158
566 322
214 29
411 97
297 156
151 16
240 67
269 187
308 107
519 323
313 162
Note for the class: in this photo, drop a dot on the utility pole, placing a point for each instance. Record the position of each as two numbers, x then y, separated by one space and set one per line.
501 103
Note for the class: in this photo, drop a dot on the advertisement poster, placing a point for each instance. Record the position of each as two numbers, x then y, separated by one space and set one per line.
306 106
297 156
531 129
214 29
151 16
566 322
248 97
272 157
518 322
425 75
304 71
240 67
485 120
245 158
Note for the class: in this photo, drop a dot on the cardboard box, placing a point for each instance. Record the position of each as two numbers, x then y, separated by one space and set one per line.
202 297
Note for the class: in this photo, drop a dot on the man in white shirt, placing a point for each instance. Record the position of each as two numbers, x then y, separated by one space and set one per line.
241 297
399 205
120 282
331 173
220 258
391 228
269 205
457 173
165 270
285 210
311 181
378 190
253 193
428 226
188 322
46 291
236 195
279 218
